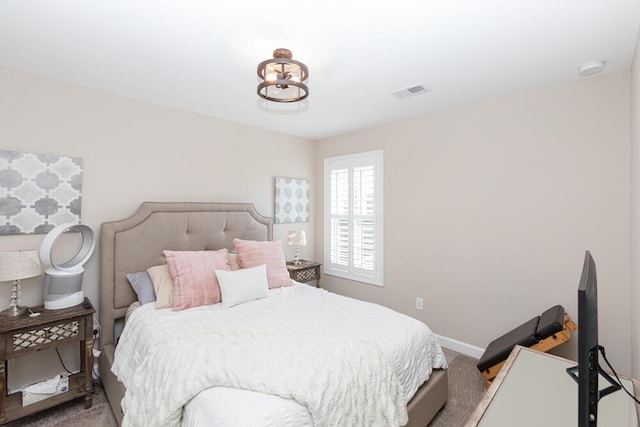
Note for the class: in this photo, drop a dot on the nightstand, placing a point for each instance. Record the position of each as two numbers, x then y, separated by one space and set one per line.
23 335
305 271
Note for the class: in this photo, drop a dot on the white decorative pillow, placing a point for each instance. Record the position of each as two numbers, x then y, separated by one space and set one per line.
243 285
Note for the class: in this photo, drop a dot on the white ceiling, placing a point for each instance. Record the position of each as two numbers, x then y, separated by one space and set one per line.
201 55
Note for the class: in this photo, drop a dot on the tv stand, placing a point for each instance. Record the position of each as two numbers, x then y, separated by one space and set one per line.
614 386
533 389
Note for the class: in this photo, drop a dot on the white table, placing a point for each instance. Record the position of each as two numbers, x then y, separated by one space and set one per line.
533 389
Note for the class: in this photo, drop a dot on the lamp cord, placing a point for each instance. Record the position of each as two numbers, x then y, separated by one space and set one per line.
62 363
604 356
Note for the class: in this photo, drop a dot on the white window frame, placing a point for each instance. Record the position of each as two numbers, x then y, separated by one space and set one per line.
351 161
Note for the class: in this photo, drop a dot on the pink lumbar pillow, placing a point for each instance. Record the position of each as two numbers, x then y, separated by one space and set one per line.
194 276
253 254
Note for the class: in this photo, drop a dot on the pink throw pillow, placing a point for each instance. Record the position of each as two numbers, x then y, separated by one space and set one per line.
253 254
194 276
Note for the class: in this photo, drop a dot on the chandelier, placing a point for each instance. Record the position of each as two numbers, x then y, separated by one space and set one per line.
283 78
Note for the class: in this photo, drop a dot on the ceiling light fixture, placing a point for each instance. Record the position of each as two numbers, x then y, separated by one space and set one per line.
283 78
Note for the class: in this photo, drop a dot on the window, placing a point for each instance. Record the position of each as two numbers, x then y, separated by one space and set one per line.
353 217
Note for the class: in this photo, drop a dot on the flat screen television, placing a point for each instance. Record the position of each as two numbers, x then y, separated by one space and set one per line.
587 372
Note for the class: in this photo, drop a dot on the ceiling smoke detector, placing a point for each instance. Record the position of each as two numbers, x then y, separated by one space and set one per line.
409 92
591 68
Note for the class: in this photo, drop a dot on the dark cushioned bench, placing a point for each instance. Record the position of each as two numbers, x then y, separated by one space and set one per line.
543 332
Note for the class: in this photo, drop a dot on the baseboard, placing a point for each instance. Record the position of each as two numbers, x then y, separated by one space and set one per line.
460 347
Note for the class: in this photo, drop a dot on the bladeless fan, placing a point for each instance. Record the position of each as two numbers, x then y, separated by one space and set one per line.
63 282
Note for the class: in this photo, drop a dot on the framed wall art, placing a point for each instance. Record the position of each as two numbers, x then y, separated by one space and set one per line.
38 192
291 200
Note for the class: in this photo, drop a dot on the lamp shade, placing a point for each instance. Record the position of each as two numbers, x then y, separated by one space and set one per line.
18 265
297 238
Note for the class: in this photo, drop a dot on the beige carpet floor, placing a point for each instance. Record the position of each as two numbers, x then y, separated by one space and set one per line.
466 388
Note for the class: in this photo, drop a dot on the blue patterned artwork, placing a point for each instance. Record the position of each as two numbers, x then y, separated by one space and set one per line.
38 192
291 200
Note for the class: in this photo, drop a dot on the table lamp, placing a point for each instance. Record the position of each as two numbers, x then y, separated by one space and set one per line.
296 238
14 266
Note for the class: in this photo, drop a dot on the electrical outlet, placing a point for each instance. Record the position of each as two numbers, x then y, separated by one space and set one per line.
419 303
96 328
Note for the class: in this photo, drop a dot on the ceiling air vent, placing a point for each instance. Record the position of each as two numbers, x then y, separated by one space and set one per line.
409 91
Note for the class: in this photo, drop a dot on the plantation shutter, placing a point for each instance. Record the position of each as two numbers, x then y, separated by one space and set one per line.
353 217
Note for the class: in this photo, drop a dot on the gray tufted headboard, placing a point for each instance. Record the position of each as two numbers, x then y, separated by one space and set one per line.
136 243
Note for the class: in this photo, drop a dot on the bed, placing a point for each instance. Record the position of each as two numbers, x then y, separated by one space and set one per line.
137 243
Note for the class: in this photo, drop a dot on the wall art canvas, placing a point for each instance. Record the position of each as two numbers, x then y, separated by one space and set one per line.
291 200
38 192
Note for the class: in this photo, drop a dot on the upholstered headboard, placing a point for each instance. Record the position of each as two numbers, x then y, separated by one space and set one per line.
136 243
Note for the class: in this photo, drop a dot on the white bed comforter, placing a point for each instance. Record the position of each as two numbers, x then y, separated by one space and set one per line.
407 344
357 390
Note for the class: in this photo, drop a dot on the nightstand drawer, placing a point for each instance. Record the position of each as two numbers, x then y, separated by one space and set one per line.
305 271
306 275
45 335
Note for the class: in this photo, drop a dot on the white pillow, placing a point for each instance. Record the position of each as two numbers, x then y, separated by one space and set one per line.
243 285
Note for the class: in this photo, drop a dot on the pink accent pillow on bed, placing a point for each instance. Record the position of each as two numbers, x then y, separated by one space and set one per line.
194 276
253 254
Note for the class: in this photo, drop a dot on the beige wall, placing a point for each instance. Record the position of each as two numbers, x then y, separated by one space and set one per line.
135 152
635 212
489 208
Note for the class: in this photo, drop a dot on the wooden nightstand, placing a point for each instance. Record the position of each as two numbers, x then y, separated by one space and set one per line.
305 271
23 335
